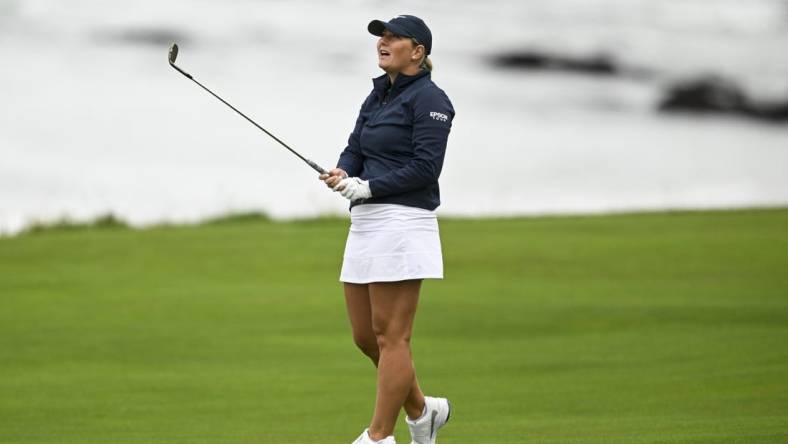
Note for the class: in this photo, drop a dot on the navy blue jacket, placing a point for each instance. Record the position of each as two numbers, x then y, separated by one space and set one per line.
399 141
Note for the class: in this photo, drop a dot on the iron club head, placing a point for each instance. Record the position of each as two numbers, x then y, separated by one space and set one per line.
173 53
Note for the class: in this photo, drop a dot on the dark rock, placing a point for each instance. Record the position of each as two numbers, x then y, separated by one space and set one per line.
142 36
777 112
713 94
704 95
544 61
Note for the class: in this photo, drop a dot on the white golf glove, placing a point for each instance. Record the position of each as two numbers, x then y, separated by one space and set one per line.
353 188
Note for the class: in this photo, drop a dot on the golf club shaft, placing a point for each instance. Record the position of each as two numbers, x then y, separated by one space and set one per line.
314 166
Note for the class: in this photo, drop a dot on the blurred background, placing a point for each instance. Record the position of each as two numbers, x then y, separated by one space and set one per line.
627 328
563 106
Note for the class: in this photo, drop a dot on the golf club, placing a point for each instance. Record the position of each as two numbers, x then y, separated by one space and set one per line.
174 54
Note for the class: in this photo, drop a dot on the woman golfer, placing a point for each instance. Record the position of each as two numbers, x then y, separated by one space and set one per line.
389 172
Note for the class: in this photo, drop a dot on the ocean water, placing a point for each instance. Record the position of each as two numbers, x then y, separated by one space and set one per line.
93 120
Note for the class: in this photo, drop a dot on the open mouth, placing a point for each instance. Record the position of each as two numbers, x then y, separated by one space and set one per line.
383 53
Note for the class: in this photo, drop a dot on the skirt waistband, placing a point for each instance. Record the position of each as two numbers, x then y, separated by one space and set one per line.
391 217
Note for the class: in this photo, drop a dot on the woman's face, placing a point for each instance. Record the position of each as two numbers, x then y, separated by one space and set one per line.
398 54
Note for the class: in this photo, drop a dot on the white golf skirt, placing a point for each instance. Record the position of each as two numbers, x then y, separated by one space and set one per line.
390 242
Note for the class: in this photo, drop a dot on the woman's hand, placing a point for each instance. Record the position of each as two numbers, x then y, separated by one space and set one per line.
353 188
333 177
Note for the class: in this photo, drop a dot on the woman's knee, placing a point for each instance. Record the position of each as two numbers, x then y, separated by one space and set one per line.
367 344
388 335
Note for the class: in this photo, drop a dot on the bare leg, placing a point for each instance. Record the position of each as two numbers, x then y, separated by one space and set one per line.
393 307
360 314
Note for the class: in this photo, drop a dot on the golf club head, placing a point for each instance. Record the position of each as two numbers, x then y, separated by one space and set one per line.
173 53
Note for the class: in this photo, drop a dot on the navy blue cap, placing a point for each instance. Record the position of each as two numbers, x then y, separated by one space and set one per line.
406 26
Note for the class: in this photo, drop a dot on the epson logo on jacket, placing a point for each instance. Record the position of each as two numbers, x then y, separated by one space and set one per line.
439 116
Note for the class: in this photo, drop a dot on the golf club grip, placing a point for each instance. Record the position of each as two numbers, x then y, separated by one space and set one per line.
316 167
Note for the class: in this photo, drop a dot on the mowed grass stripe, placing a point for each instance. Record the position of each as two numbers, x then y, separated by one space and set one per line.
630 328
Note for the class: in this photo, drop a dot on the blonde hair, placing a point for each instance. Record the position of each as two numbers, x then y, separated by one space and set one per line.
426 63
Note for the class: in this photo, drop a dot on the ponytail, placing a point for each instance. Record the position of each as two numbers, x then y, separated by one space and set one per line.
426 64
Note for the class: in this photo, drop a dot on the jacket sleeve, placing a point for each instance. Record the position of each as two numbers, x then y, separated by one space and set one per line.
351 160
432 117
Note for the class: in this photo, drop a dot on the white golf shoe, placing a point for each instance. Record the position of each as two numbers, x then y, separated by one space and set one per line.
365 439
436 414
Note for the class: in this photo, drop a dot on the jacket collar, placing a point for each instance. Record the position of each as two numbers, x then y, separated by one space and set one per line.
382 84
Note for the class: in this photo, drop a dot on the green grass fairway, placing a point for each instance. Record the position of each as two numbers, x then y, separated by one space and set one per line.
633 328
